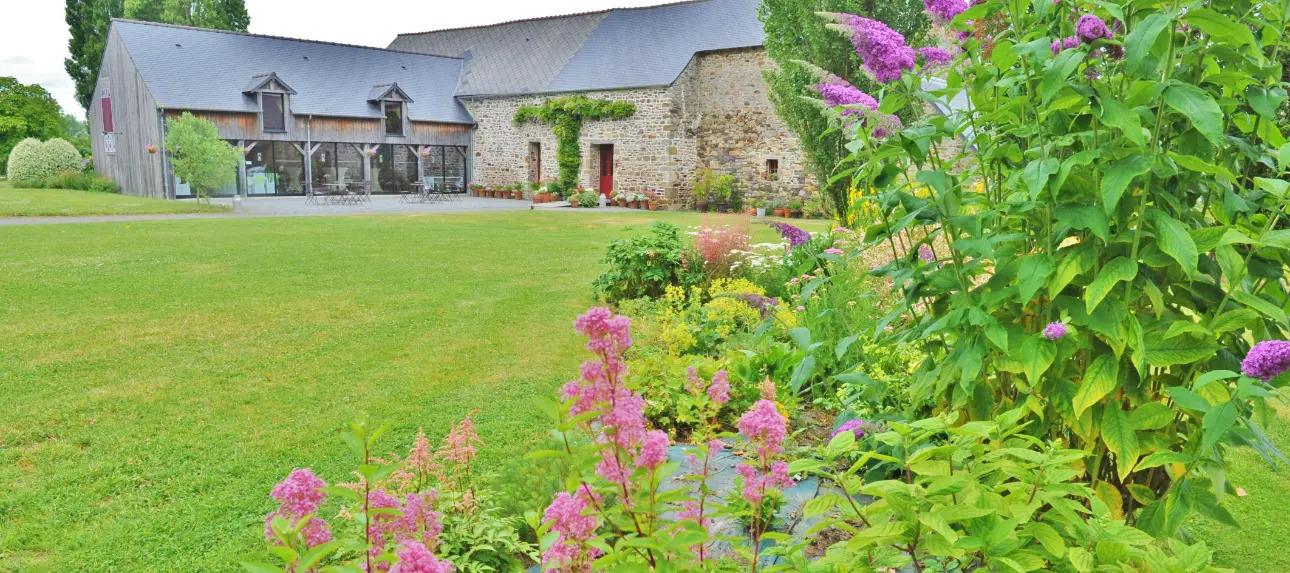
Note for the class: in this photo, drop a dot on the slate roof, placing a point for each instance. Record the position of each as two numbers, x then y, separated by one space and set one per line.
194 68
612 49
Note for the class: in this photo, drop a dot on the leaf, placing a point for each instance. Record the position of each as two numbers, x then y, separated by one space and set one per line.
1111 497
1048 537
1233 320
1118 269
1100 378
1116 114
1031 275
1071 264
1137 45
1264 307
1119 437
841 349
1194 103
1036 175
1151 416
1216 423
1193 163
1084 217
1188 399
802 336
1173 239
1277 187
803 372
1118 176
1220 26
1055 76
1183 349
1037 355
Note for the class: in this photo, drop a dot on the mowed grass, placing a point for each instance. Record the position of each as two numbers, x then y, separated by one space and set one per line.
159 377
66 202
1262 542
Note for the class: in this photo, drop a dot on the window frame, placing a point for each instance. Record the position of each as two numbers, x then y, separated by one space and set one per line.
385 117
772 169
264 112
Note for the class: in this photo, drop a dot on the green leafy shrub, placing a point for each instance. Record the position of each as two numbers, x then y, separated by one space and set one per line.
645 265
103 185
1111 251
32 163
588 199
566 115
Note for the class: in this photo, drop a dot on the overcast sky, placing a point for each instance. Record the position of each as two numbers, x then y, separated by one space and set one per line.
33 35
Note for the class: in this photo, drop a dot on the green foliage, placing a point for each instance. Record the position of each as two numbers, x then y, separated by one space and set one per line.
83 181
588 199
88 21
1123 198
566 115
26 110
977 496
483 539
197 154
34 164
794 33
645 265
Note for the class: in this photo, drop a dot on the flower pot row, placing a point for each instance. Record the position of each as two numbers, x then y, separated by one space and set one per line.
649 204
484 192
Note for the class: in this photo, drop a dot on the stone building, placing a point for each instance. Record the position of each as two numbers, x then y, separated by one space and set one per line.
438 107
693 70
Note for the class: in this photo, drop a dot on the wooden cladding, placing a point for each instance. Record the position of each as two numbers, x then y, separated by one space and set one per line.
233 125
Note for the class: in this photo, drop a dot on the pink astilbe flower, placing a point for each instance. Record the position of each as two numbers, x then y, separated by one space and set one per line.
417 558
945 10
300 495
719 391
719 246
765 428
757 483
882 49
420 522
653 450
692 382
459 445
569 516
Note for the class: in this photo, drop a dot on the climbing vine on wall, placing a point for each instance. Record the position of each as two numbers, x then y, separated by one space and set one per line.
565 115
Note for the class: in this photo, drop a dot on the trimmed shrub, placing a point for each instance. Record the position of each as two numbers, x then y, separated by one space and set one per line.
588 199
32 162
100 184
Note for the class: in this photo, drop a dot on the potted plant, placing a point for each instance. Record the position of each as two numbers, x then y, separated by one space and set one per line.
620 199
633 201
760 207
702 189
651 200
795 208
778 207
573 200
721 191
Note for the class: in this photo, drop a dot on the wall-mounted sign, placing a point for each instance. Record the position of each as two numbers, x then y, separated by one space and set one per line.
109 143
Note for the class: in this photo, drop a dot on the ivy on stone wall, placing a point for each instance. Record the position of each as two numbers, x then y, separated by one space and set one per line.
565 115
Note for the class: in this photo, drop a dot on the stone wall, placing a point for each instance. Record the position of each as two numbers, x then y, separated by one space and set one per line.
737 128
716 115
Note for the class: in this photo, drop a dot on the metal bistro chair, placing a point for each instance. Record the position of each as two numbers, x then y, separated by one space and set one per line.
415 194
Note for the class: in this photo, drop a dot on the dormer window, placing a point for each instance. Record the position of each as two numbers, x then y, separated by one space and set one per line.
393 117
275 111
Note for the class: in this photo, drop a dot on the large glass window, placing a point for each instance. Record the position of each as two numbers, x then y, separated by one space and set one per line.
445 167
349 163
393 118
323 164
288 166
275 116
393 168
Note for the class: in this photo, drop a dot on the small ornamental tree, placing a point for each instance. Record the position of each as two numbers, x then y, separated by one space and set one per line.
565 115
198 156
1111 251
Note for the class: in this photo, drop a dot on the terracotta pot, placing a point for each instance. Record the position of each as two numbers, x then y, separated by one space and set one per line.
622 202
517 194
653 206
779 212
701 206
634 204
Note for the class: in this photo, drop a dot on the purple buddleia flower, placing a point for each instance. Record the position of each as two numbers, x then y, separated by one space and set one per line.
838 92
1090 27
854 426
765 305
793 235
945 10
882 49
887 125
1063 44
935 56
1055 330
926 254
1267 359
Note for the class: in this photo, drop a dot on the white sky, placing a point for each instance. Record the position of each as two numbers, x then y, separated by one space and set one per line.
33 34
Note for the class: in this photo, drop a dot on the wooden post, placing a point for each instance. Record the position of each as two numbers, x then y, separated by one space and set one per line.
241 169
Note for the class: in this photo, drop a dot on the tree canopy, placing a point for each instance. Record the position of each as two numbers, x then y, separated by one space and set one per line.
26 110
197 154
88 21
794 33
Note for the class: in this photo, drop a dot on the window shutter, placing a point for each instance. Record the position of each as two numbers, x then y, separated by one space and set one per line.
108 125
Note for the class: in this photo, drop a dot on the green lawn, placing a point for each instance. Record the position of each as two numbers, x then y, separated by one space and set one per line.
63 202
159 377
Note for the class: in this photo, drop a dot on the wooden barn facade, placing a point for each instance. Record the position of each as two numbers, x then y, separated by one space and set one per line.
303 113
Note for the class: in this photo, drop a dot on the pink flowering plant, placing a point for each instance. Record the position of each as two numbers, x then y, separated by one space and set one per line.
1107 189
617 512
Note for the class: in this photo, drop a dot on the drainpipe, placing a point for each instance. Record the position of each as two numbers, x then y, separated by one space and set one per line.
166 191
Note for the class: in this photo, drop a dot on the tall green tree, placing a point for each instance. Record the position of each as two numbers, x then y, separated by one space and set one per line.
26 110
794 33
88 22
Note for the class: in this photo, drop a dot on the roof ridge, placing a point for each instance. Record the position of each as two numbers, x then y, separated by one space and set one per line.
553 17
286 38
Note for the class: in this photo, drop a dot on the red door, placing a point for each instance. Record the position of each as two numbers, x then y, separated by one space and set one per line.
606 169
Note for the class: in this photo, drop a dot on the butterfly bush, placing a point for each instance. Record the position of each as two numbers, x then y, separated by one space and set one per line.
882 50
945 10
1090 28
794 235
1267 359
